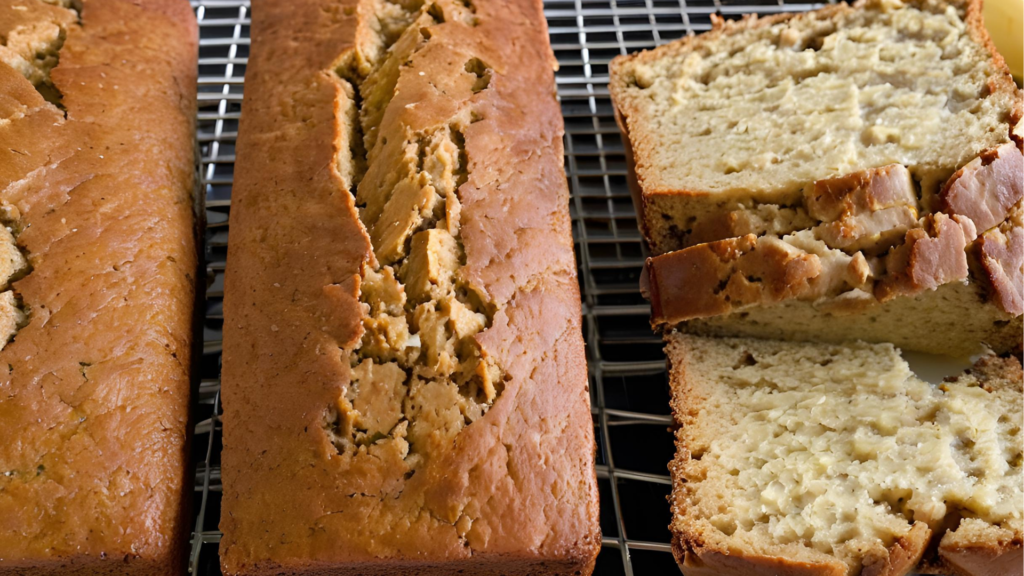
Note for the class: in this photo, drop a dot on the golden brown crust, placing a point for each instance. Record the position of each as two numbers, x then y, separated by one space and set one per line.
1002 82
1001 256
994 371
516 493
868 209
728 224
974 548
929 257
793 288
697 561
986 188
713 278
94 390
863 191
635 189
985 560
904 555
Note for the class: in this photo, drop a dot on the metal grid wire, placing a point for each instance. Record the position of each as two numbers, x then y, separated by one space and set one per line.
627 367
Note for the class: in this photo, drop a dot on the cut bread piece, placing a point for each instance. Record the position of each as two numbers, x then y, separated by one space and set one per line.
943 290
1000 257
987 188
812 459
735 131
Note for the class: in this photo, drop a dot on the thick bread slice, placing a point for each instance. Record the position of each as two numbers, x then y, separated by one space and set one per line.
728 132
811 459
942 290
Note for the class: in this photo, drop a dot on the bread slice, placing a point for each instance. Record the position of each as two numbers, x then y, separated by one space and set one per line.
815 459
943 290
738 130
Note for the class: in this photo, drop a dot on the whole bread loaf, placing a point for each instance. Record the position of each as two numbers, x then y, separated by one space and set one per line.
404 380
813 459
97 284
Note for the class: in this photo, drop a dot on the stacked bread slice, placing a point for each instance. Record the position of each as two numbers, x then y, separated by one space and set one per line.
820 191
853 172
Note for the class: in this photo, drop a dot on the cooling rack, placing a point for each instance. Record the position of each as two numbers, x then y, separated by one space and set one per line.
627 368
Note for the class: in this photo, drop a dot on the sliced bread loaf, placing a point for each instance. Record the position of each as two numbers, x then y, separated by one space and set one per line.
812 459
739 130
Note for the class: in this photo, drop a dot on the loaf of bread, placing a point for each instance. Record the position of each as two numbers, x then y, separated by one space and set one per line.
813 459
97 284
404 380
847 173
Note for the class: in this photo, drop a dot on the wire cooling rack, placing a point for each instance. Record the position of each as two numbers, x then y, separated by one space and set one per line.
627 367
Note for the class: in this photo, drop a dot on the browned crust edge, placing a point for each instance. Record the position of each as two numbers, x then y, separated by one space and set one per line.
1000 258
635 190
694 556
993 559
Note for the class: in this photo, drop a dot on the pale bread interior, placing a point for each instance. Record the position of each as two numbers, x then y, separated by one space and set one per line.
815 451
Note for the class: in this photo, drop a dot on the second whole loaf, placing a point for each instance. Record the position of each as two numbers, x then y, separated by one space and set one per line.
404 380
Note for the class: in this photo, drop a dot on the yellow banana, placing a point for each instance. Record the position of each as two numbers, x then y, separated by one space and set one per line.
1005 22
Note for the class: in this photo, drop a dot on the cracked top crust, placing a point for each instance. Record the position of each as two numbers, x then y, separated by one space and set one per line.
340 435
94 389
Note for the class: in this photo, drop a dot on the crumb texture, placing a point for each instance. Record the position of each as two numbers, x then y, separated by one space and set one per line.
836 91
418 373
830 451
32 33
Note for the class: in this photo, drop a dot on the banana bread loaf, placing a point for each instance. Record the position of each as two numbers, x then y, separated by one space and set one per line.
404 382
97 272
812 459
